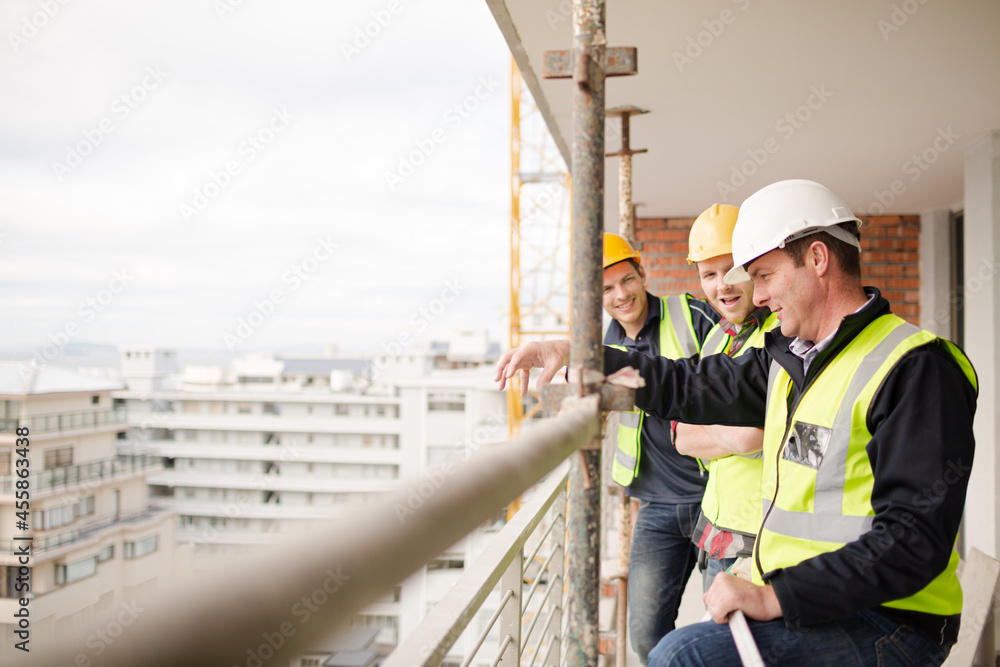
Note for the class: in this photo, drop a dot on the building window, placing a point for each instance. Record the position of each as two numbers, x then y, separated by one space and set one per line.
340 410
55 517
85 507
446 564
380 411
270 409
243 408
59 458
309 662
192 406
4 462
366 441
107 553
144 546
446 401
67 574
95 400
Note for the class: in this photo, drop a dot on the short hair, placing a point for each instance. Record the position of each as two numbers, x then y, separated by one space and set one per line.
848 257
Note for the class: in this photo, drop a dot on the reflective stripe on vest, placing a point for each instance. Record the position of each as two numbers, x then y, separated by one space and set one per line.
818 480
716 341
732 495
677 340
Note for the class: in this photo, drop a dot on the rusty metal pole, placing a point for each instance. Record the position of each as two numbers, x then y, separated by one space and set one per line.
626 212
626 228
588 64
584 538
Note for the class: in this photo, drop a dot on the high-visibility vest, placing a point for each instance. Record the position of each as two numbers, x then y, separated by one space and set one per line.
678 340
732 495
823 500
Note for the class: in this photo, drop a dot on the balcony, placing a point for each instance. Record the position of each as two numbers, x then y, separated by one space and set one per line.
89 475
57 422
46 542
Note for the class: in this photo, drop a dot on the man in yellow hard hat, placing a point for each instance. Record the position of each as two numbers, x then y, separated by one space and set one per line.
669 486
868 449
730 514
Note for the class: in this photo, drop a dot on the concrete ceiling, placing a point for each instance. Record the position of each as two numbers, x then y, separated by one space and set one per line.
864 96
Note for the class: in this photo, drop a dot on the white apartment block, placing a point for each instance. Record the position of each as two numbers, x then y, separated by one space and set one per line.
252 452
98 546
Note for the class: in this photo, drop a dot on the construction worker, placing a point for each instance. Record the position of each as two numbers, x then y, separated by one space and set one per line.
730 509
668 485
868 449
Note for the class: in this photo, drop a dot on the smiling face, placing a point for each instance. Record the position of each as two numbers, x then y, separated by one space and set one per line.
790 292
733 302
625 296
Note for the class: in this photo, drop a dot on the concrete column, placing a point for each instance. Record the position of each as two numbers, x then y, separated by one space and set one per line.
935 271
982 330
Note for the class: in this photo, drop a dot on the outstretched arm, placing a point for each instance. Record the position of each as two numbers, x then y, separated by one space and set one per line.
549 355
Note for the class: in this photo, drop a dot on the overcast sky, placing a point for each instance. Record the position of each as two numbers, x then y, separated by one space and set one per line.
169 167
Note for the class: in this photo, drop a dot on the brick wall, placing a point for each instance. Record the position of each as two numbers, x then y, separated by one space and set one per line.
889 262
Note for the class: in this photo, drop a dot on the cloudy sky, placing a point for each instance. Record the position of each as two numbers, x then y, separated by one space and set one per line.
324 172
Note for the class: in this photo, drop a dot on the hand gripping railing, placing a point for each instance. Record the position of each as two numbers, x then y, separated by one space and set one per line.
287 601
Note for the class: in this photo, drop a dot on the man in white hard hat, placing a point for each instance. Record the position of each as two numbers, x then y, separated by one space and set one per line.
867 418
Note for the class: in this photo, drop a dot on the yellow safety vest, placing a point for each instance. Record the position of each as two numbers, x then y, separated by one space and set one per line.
678 340
732 495
823 500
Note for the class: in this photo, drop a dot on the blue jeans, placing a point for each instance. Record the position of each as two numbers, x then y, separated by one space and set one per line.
715 566
867 638
661 562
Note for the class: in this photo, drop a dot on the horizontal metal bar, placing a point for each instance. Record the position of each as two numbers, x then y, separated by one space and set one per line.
441 628
302 590
486 631
620 61
503 647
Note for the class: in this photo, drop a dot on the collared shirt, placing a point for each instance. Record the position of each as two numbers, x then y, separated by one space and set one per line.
808 350
664 475
746 328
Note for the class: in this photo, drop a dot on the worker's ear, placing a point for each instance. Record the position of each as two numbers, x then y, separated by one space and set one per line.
818 258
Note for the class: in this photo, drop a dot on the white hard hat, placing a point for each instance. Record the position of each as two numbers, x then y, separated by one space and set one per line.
782 212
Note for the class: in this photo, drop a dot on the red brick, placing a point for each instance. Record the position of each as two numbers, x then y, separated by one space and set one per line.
903 283
650 223
664 235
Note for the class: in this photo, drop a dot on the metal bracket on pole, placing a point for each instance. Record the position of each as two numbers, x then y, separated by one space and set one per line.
626 212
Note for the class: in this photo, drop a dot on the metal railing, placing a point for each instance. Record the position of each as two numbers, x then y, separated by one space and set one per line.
64 421
338 568
526 596
48 541
72 477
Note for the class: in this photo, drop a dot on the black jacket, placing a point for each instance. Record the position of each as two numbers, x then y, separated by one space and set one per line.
921 453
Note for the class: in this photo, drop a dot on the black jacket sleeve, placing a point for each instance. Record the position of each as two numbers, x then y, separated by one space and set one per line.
921 454
715 390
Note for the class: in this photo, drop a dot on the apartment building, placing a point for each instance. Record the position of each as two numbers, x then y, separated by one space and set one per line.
253 451
98 545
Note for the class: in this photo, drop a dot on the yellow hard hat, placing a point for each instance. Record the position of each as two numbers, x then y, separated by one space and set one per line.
712 233
617 249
